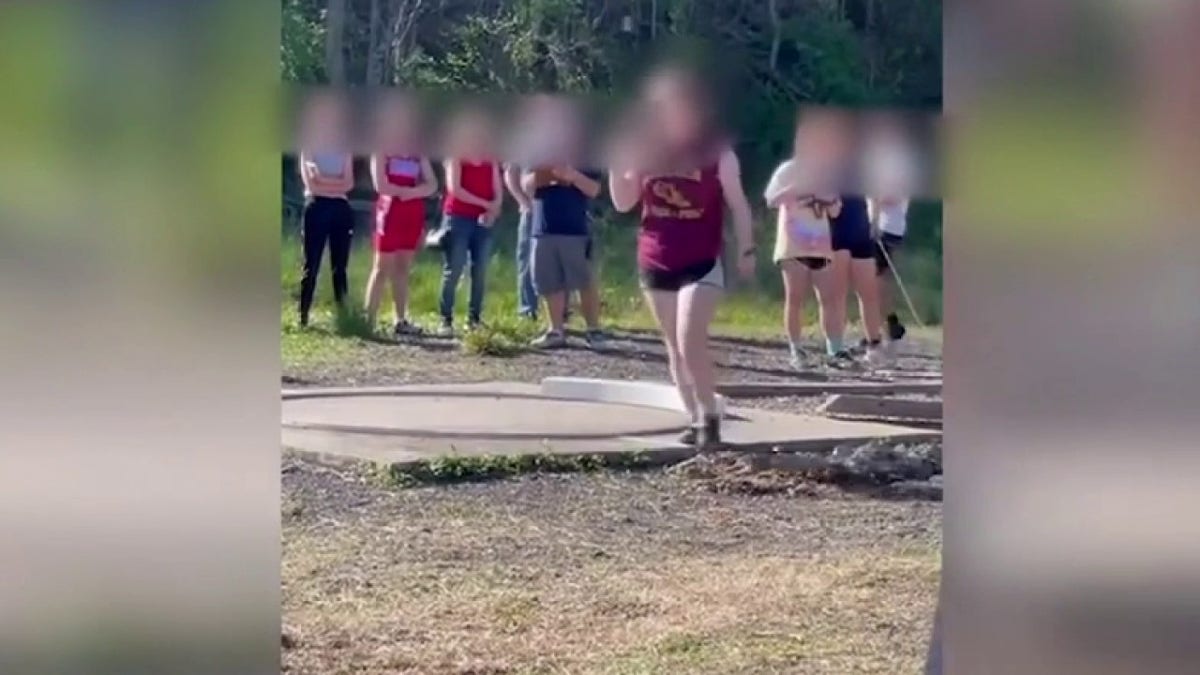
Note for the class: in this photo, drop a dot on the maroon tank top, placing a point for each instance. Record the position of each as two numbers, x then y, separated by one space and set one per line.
682 220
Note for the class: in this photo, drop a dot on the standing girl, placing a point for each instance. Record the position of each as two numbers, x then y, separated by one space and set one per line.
803 243
854 268
684 174
472 204
327 171
403 179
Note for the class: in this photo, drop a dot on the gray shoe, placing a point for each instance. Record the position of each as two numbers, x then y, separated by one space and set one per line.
550 340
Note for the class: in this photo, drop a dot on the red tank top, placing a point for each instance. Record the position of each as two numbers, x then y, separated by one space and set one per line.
402 171
478 179
682 220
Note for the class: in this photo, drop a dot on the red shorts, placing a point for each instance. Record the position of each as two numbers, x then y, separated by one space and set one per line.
394 233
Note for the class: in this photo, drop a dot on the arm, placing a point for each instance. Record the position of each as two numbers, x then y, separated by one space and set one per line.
625 188
729 171
497 191
379 179
582 182
454 185
317 184
781 185
835 208
529 182
515 182
429 185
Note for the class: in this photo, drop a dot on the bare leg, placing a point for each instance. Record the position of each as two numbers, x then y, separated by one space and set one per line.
866 285
556 306
697 306
664 306
825 286
380 268
589 301
795 286
835 303
400 269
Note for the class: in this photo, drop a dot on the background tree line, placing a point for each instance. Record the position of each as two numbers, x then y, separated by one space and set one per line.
780 54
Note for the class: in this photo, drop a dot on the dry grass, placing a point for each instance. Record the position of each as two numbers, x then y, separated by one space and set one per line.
601 574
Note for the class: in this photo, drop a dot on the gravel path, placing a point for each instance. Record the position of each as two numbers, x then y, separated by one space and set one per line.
629 356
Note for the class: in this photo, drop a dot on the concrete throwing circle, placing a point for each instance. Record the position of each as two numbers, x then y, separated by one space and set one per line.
474 414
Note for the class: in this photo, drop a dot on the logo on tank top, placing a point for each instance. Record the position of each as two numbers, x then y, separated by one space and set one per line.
671 202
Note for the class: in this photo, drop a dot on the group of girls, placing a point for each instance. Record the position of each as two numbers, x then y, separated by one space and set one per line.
833 244
403 179
683 172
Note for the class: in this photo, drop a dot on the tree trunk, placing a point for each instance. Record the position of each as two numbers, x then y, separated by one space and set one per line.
776 33
335 28
375 46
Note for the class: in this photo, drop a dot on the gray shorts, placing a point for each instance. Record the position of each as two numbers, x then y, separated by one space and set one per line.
561 262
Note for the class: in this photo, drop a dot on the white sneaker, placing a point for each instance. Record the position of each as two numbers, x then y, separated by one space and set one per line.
877 356
550 340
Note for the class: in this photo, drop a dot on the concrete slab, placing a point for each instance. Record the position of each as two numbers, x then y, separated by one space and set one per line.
852 406
635 392
404 425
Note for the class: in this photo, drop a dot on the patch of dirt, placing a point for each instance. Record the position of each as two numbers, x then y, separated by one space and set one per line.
600 573
629 355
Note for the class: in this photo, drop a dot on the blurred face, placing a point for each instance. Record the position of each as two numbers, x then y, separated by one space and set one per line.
396 127
888 157
557 122
324 123
675 109
822 143
472 135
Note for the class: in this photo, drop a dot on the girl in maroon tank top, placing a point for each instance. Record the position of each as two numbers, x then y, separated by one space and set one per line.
404 179
684 182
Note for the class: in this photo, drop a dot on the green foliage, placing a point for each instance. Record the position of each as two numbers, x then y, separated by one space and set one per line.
469 468
302 44
504 337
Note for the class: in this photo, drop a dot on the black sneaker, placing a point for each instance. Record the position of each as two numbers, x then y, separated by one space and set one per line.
690 435
895 329
405 327
710 433
596 339
840 359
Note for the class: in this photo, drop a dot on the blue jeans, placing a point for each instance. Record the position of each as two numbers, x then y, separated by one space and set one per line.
466 238
527 299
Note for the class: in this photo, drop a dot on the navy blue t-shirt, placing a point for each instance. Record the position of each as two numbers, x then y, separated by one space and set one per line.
853 225
561 209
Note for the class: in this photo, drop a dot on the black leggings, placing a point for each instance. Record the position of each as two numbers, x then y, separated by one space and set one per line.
331 220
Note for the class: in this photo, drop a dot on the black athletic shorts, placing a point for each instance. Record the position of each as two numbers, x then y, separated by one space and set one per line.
814 263
708 272
860 246
891 243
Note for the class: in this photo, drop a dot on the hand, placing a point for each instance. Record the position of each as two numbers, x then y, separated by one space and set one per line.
747 263
564 174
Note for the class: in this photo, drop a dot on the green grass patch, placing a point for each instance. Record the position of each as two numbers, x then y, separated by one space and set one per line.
753 308
450 469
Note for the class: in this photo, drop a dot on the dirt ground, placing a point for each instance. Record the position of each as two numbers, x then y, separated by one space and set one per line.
600 573
609 573
630 355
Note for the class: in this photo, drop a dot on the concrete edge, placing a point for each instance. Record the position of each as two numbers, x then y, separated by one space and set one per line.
768 389
653 457
628 392
368 430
